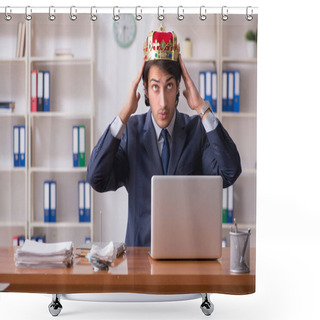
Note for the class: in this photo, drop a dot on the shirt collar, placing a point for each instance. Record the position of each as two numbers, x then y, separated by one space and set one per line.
169 127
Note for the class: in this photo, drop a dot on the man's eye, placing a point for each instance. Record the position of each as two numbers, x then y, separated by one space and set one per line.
154 87
170 85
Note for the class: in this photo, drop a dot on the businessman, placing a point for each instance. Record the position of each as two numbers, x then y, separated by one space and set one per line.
162 141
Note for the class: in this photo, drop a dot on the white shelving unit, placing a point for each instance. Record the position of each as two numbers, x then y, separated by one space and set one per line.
241 126
217 45
48 134
220 45
71 103
13 180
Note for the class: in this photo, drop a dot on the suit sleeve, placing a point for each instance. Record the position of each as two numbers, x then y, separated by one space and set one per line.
108 165
220 156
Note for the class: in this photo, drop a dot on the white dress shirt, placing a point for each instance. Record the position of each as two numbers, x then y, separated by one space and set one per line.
117 128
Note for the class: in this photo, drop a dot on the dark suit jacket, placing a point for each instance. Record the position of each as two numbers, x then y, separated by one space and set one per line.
132 162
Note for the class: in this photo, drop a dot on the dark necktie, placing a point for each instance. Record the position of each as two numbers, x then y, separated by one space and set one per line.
165 154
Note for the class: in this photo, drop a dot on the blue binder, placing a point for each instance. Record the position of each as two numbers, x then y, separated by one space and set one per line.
46 91
16 146
214 90
22 239
230 91
208 87
224 91
75 146
236 96
87 202
46 201
40 91
81 195
22 146
202 84
41 239
208 94
230 204
82 146
53 202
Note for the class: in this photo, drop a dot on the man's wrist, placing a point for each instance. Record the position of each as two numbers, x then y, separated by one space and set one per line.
117 127
205 110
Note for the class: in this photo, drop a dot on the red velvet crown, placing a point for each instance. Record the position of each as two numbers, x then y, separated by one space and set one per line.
161 45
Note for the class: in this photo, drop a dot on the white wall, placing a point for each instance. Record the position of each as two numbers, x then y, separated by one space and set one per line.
115 68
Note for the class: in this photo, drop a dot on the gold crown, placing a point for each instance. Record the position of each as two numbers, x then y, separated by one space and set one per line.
161 45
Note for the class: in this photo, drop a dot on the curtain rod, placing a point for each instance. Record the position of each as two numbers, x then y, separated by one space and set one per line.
138 10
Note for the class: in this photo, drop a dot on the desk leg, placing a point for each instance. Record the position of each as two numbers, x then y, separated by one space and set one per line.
206 305
55 306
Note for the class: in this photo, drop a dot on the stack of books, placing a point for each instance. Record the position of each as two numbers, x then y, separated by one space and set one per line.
7 106
44 255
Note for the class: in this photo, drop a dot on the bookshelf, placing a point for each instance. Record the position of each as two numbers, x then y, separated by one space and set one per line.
241 126
13 180
66 49
220 45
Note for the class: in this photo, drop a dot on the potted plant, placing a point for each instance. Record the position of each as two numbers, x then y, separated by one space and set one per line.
251 38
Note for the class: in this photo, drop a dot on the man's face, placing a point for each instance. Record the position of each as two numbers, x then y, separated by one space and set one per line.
161 90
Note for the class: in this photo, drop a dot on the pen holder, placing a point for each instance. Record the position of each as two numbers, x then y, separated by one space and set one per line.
240 251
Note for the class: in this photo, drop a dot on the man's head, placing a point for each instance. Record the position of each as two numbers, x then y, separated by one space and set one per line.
161 79
162 74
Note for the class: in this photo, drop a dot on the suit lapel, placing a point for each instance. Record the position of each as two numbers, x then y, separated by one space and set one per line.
179 137
150 143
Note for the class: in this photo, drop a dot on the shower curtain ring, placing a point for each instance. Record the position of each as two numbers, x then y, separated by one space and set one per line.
7 16
28 15
138 16
93 16
203 12
73 15
115 17
249 17
180 15
52 17
224 13
160 16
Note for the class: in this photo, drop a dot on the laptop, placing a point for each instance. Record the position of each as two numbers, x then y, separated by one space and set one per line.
186 217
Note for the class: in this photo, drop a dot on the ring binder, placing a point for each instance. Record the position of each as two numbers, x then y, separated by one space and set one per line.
73 16
115 17
7 16
28 16
93 16
160 16
249 17
52 17
138 16
224 15
180 16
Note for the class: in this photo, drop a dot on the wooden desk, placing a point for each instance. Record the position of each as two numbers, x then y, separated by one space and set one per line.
134 272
